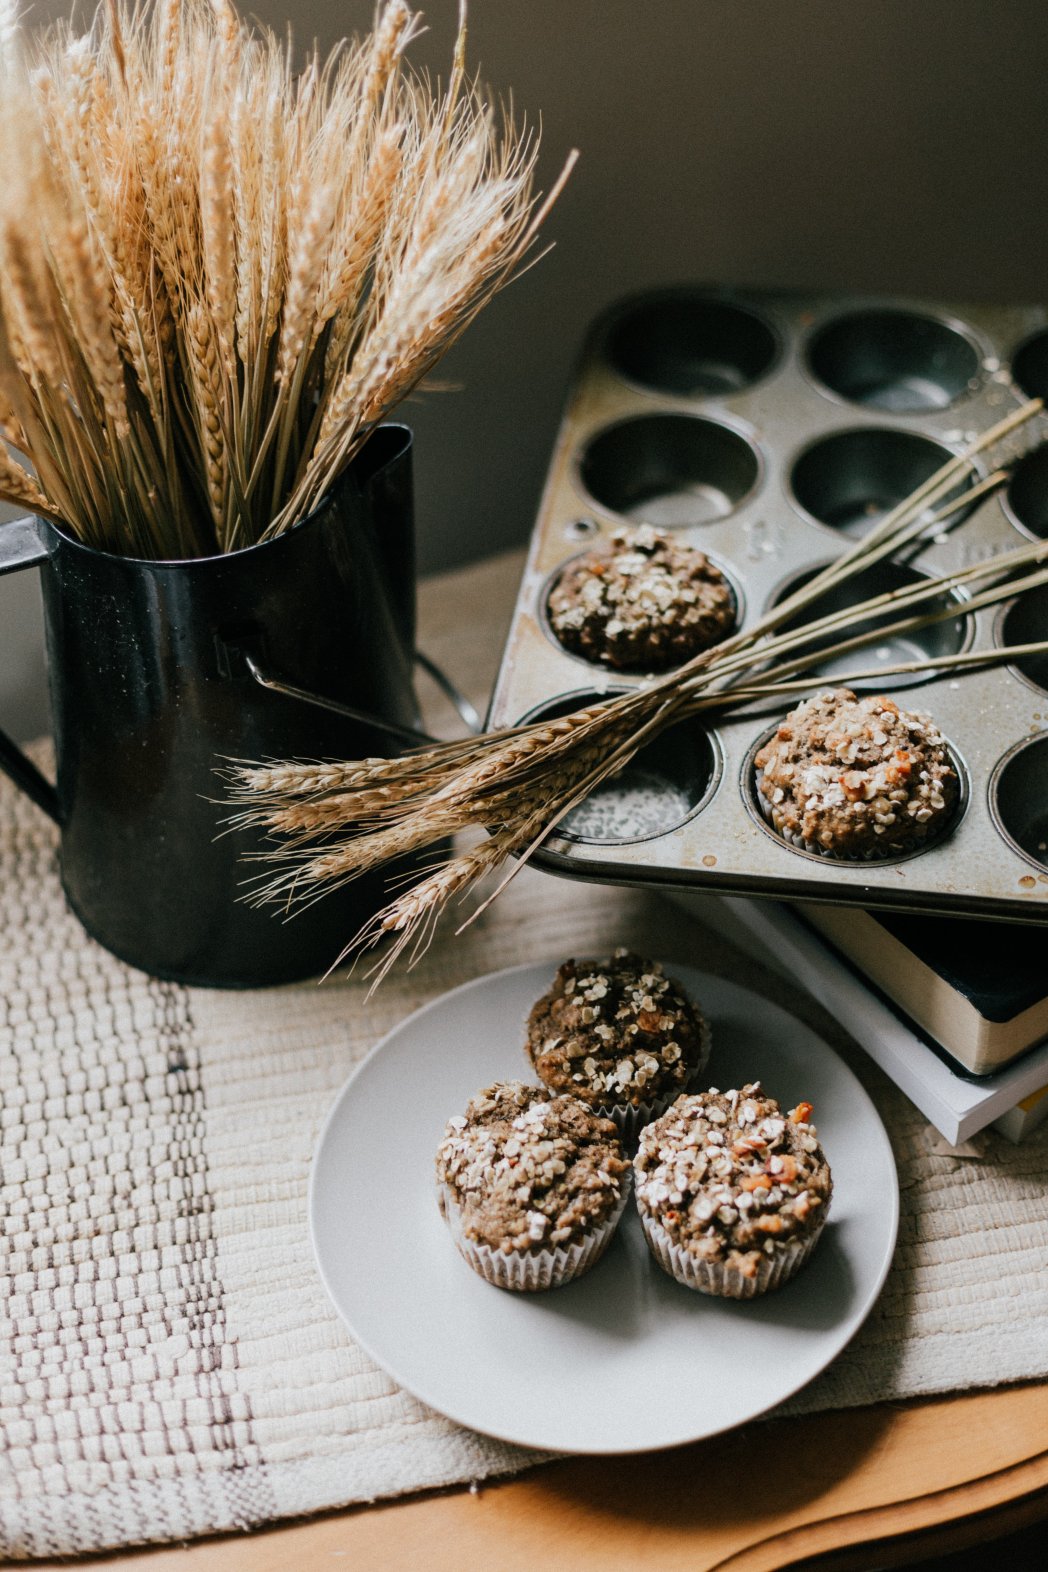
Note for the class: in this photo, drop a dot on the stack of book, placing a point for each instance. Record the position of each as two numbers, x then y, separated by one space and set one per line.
976 990
955 1011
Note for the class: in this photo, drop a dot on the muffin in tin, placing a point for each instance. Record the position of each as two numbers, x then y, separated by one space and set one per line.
646 604
732 1193
618 1034
856 778
531 1185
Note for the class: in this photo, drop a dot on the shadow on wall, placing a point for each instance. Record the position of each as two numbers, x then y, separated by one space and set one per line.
889 147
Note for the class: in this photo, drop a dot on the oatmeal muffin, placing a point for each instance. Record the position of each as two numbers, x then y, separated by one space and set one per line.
857 778
646 604
618 1034
732 1193
531 1186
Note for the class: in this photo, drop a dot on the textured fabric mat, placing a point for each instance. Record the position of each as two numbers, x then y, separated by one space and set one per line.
169 1363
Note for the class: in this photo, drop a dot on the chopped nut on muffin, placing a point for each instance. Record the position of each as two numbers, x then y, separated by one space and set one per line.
732 1192
617 1033
531 1184
647 603
857 778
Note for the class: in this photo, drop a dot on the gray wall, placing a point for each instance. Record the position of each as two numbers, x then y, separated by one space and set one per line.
898 145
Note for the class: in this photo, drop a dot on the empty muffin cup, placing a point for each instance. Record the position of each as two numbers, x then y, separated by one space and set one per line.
1019 799
1025 621
894 649
850 480
665 783
1027 496
670 470
1030 365
691 346
899 361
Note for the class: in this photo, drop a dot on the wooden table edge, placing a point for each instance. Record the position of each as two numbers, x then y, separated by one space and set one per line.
886 1533
935 1524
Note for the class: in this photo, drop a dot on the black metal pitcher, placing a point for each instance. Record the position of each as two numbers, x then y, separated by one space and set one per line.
161 671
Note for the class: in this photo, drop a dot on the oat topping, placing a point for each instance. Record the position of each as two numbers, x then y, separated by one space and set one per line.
857 777
530 1171
616 1031
731 1178
648 603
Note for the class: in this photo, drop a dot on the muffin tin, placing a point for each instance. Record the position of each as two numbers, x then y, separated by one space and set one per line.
771 430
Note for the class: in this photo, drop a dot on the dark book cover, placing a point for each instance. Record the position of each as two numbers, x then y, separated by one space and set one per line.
1000 968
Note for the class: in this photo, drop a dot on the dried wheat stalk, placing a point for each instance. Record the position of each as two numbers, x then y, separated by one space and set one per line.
218 273
333 822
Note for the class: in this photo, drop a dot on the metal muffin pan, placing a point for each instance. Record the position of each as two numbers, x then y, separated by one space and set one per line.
771 430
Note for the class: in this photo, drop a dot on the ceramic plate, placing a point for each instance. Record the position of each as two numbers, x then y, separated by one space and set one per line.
624 1359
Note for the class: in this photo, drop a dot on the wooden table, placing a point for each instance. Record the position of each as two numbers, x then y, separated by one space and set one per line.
864 1488
873 1487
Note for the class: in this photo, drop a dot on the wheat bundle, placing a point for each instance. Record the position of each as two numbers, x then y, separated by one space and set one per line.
218 273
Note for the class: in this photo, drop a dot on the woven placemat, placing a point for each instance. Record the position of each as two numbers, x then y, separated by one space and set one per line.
169 1363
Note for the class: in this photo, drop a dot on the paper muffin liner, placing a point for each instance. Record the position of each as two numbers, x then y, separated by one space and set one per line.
630 1118
872 854
532 1271
721 1280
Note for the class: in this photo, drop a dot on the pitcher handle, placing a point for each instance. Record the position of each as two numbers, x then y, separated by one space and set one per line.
21 547
404 734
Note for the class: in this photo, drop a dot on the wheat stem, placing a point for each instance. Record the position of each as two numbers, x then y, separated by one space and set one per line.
521 783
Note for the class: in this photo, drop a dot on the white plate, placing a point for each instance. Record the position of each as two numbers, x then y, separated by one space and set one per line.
625 1359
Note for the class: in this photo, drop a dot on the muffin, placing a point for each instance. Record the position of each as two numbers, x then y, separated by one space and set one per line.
531 1186
646 604
619 1035
856 778
732 1193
